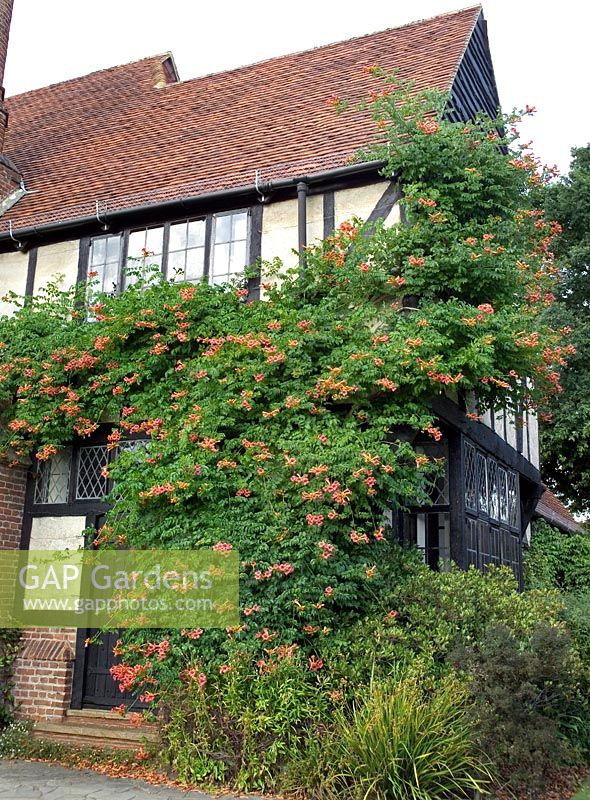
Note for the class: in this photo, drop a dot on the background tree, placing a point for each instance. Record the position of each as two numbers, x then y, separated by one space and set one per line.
566 434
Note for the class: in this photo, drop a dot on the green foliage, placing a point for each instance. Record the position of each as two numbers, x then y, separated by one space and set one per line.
557 560
439 610
401 742
272 424
273 427
565 438
528 697
10 643
577 617
248 725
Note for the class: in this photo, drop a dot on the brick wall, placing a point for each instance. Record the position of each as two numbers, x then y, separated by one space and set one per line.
13 481
5 17
43 673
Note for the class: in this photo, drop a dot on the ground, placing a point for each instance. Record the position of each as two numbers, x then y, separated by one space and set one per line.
33 780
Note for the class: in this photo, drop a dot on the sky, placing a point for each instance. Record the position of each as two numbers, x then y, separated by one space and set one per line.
539 49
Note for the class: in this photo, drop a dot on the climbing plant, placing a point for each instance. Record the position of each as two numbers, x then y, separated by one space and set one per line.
272 425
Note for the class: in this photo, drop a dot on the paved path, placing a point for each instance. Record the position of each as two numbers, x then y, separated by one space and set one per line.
31 780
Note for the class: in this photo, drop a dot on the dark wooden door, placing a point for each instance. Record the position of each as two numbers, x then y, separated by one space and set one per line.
93 685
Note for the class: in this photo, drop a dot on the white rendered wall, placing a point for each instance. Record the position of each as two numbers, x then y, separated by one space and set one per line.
57 533
57 259
13 277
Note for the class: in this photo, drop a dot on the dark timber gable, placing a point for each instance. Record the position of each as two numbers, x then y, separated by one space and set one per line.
474 87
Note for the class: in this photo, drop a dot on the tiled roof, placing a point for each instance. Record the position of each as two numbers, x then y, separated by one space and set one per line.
113 137
555 513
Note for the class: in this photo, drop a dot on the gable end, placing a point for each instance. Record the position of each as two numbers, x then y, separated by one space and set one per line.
474 87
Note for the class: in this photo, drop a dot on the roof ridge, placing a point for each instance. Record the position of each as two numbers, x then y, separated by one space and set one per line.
456 12
156 57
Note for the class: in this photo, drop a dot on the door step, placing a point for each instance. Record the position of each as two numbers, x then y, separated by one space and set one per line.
96 729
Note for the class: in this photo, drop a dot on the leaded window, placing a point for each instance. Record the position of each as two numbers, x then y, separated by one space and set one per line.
438 488
472 549
513 500
91 481
52 479
483 543
79 474
428 526
494 508
503 494
482 484
492 511
470 476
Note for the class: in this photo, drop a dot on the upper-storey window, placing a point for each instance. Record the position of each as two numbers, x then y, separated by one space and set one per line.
186 250
145 247
215 247
230 246
105 261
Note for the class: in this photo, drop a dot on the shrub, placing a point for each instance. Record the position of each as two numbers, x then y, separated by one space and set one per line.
10 643
556 560
247 726
526 698
577 618
401 742
430 613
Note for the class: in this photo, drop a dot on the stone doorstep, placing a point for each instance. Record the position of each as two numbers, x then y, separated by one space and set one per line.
95 729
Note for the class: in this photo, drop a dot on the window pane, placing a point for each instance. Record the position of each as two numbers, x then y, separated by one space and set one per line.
513 500
111 275
503 494
493 489
98 251
113 248
220 259
470 477
154 239
194 263
178 236
196 233
136 244
53 478
223 228
482 484
472 549
176 265
90 484
238 257
240 226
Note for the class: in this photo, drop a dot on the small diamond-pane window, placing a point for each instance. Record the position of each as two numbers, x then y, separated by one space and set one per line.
513 500
90 483
229 251
482 484
503 494
470 477
52 480
493 489
439 484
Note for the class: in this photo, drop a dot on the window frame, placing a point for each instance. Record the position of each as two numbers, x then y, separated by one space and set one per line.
491 539
210 221
72 505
